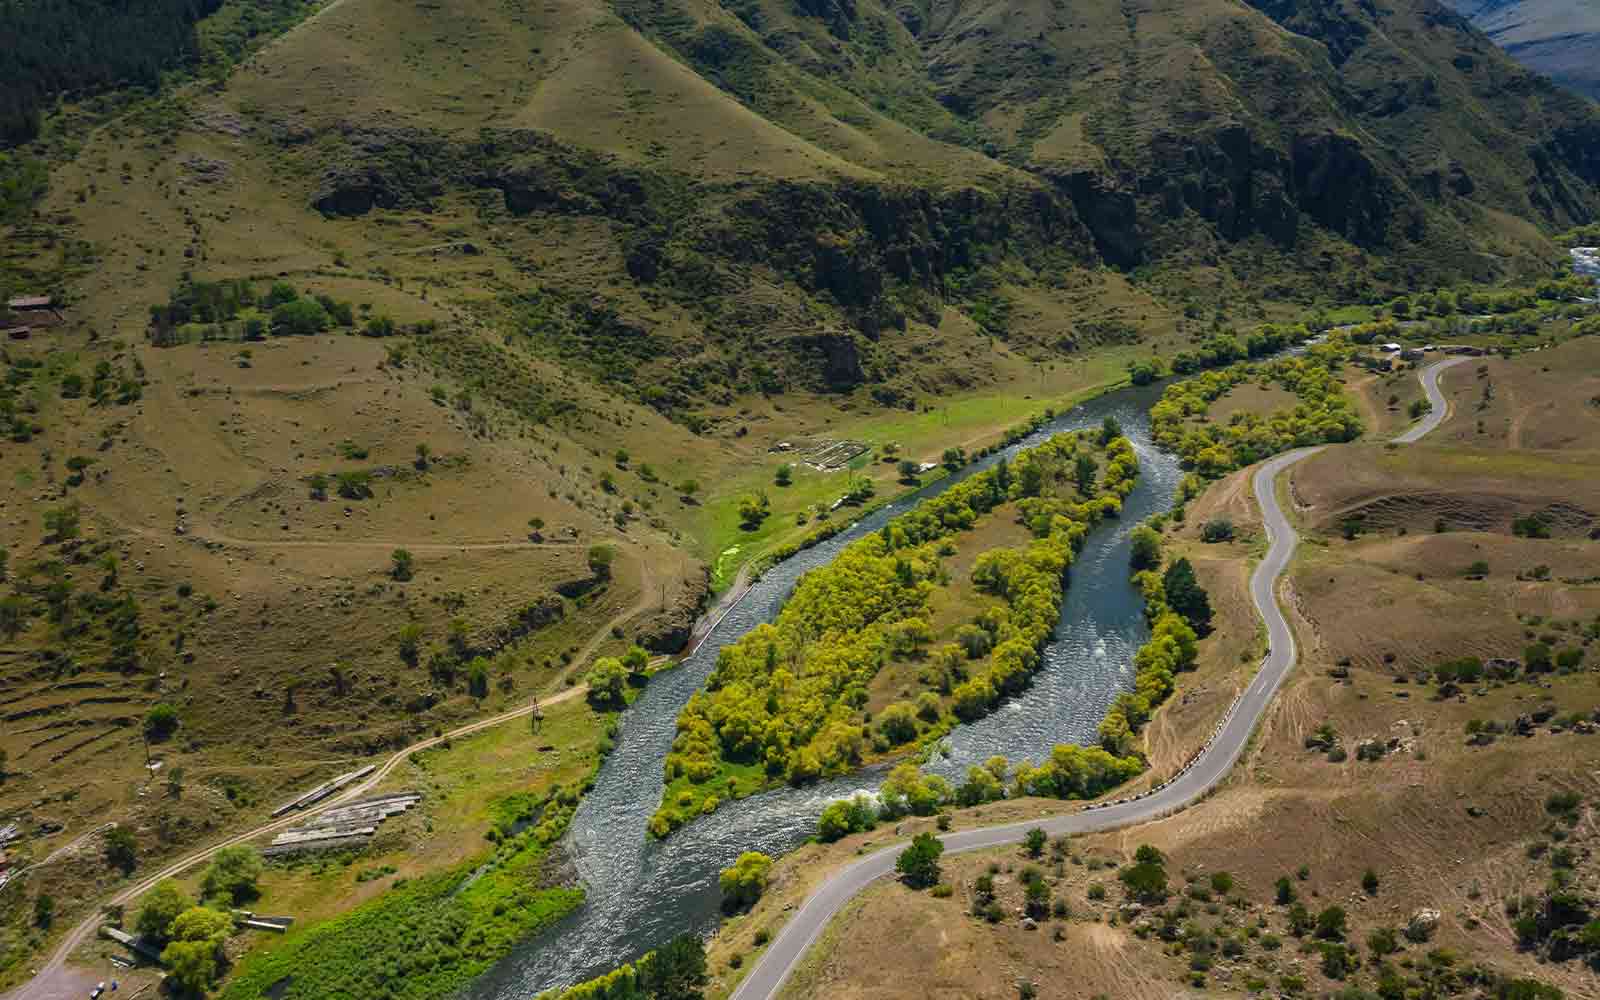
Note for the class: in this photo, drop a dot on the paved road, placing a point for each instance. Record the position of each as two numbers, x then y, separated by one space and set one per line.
767 977
1440 406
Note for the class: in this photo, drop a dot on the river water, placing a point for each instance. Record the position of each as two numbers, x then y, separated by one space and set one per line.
641 892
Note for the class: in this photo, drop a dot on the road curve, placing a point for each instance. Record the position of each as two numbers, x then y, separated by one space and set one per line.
1223 750
1439 407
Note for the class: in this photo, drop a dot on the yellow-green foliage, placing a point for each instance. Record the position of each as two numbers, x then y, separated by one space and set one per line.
783 703
1075 772
1323 414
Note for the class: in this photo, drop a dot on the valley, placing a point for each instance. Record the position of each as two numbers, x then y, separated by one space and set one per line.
659 449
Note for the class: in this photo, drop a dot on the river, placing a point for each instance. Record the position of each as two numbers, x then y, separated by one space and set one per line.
641 892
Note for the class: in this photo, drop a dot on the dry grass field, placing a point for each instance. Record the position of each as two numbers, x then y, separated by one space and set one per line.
1463 825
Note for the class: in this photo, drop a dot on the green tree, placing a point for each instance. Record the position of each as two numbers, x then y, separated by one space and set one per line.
232 875
674 971
192 965
1084 471
744 883
608 682
1285 891
1369 882
600 559
410 641
402 563
478 677
1034 841
14 611
121 849
62 522
918 864
908 471
158 909
1331 924
954 458
1146 548
1187 597
1217 530
44 911
898 722
300 318
161 721
784 476
1146 878
844 817
355 485
636 660
1109 430
278 294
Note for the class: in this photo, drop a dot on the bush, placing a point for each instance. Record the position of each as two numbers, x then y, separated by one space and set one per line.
1146 548
608 682
1218 530
121 849
1478 570
600 559
918 864
1034 842
159 908
231 877
744 883
161 721
301 317
847 816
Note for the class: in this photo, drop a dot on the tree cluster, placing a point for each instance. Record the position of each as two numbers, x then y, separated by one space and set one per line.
1323 414
785 698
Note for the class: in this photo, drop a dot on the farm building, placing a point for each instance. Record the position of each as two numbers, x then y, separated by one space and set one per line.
33 311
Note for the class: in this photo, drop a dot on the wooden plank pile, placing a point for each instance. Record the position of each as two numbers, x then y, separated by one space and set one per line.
349 825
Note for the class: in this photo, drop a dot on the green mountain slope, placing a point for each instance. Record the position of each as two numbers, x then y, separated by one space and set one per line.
826 194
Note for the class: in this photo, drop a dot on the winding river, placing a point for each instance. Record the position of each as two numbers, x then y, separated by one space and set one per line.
641 892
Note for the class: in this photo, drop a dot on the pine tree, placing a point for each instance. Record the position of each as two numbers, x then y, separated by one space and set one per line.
1187 597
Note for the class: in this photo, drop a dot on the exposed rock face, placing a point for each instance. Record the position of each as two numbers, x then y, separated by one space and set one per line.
1559 38
668 629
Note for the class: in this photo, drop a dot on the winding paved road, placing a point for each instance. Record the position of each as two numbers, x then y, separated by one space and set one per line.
767 976
796 937
1439 406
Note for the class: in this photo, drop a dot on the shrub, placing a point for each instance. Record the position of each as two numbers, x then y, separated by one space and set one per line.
608 681
1034 842
120 848
159 908
745 881
301 317
1217 530
918 864
847 816
1369 882
161 721
600 559
1146 548
232 875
